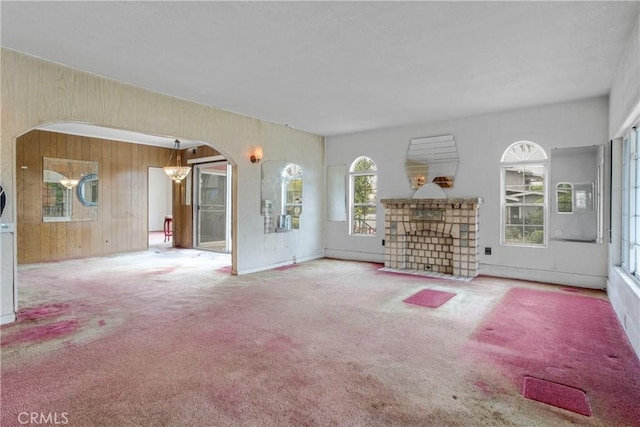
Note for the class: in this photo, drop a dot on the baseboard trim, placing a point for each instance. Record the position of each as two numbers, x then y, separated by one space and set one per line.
7 318
354 256
279 264
545 276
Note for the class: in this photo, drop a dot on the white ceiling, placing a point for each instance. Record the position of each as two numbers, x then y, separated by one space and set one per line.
337 67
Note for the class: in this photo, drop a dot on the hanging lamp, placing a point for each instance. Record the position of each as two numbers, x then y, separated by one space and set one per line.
69 183
177 173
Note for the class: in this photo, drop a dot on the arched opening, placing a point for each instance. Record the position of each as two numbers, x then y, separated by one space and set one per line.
119 192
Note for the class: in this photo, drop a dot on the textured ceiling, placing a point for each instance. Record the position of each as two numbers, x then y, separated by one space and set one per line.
337 67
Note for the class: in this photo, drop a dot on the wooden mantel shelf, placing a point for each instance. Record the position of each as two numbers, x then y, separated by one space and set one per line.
475 200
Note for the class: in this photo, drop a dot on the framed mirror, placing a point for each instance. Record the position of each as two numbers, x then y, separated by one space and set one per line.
281 204
70 190
292 188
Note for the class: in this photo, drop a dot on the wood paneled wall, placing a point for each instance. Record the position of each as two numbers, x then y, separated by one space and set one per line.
122 222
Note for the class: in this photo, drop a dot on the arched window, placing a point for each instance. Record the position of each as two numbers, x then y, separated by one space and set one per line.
363 197
523 194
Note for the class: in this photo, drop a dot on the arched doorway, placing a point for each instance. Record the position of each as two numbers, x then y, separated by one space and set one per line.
124 158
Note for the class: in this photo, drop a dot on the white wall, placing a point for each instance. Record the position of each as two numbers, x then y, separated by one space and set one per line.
481 141
625 92
159 198
624 291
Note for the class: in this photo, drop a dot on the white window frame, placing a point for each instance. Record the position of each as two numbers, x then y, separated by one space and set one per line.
504 204
352 205
573 197
630 214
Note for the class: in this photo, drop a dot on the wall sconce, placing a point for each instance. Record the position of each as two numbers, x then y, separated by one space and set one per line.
417 182
256 155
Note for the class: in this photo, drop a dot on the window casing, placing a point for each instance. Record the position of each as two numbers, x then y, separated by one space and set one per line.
630 251
524 195
363 197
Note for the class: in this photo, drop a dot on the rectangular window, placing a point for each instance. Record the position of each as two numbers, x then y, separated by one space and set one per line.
631 204
524 204
364 204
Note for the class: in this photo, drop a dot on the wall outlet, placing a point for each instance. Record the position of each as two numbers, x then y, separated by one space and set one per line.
487 251
427 267
382 242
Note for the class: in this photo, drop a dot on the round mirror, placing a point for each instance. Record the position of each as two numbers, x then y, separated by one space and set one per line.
87 190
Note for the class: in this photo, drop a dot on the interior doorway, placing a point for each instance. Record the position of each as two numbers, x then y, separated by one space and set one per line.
160 207
212 206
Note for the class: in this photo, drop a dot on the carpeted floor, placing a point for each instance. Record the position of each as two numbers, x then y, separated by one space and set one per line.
169 338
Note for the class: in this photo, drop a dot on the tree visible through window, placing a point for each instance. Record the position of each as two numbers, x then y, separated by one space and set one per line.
564 197
524 166
363 196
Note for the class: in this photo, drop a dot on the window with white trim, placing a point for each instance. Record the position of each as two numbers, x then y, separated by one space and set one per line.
363 197
630 197
523 194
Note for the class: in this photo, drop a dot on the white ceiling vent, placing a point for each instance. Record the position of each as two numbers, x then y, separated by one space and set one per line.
432 159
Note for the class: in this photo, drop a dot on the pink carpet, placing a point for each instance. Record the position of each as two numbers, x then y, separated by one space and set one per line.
225 269
430 298
164 339
559 395
566 339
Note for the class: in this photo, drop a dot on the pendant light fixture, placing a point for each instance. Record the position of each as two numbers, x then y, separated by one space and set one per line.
69 183
177 173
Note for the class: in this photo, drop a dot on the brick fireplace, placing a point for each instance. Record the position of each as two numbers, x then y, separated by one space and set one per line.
432 236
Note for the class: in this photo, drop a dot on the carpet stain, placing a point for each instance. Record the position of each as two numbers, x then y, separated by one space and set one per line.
529 329
42 332
280 344
221 336
225 269
161 270
484 388
43 311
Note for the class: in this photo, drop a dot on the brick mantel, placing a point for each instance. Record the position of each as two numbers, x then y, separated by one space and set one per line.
438 235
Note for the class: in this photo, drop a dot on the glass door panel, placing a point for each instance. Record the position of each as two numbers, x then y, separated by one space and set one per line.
212 213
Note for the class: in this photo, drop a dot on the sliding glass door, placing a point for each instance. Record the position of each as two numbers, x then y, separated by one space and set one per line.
212 213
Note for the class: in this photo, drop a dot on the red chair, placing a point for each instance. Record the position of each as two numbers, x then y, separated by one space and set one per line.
168 228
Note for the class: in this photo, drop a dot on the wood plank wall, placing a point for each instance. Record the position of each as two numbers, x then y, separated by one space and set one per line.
122 223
